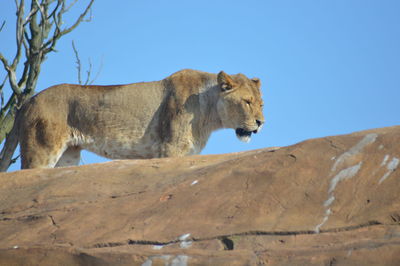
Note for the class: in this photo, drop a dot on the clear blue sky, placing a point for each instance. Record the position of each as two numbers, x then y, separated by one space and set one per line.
327 67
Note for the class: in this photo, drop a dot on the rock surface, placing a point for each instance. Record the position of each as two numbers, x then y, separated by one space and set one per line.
327 201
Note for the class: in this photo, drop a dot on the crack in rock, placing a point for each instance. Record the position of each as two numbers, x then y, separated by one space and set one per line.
226 239
332 144
53 222
25 218
293 156
127 194
227 243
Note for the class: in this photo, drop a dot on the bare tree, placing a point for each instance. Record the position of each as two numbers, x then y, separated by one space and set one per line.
37 34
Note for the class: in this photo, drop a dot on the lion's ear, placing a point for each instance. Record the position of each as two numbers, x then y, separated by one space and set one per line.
257 81
225 82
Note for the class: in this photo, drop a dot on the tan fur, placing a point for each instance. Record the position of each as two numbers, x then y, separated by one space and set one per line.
171 117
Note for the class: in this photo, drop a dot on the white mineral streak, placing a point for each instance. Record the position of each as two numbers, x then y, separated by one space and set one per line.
391 167
179 260
343 174
368 139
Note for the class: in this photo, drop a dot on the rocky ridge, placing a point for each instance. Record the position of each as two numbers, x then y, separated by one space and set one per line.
326 201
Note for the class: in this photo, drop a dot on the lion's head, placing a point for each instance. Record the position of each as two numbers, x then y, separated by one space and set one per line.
240 104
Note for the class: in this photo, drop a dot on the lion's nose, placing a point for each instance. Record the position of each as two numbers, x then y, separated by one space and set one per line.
259 123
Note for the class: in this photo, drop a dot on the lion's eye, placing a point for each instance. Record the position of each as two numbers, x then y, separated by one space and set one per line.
248 102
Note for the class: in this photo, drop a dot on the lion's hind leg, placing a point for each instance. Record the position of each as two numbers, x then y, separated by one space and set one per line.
70 157
42 143
40 157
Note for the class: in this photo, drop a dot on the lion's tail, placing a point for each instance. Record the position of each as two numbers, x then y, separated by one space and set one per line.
9 147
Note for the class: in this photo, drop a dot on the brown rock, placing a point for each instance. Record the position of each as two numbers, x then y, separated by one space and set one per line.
327 201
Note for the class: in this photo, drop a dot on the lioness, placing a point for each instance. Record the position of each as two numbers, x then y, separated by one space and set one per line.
171 117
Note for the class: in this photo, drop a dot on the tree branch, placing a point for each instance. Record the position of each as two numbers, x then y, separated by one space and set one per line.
30 15
65 10
78 62
11 75
1 92
6 125
88 72
4 61
58 35
24 76
41 8
19 34
10 102
2 25
55 9
79 20
98 72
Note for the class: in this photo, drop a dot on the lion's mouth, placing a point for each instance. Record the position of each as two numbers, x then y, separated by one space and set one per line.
244 135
